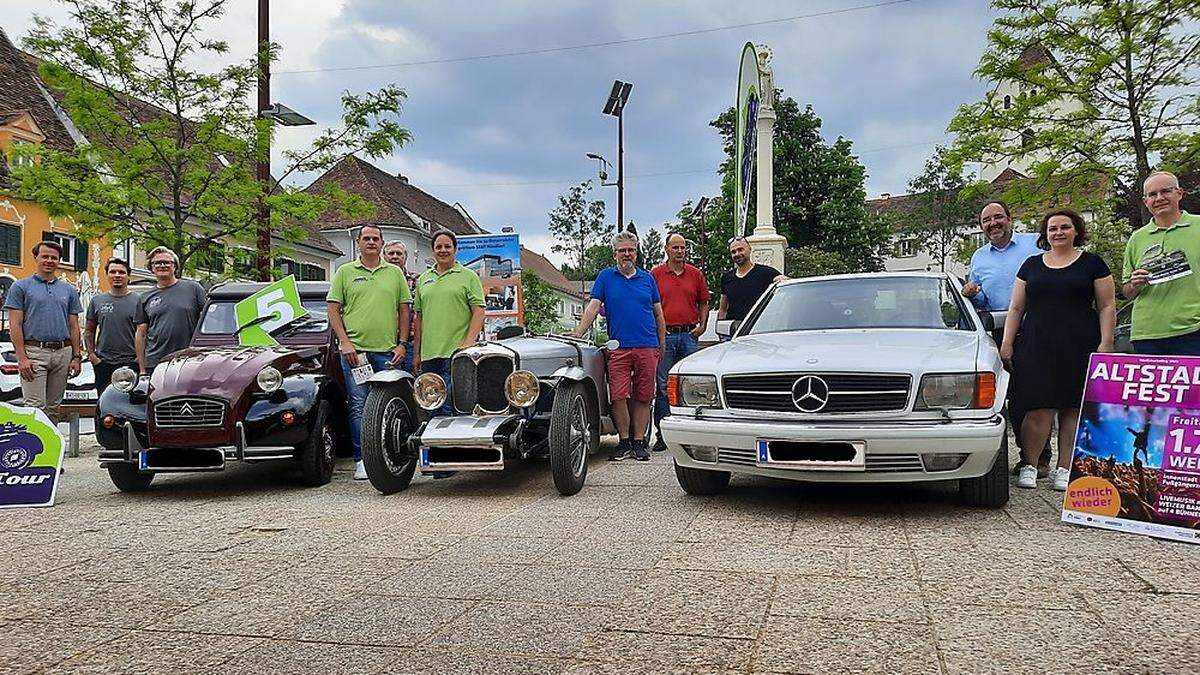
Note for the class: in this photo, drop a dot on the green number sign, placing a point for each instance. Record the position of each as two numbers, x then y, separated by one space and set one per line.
273 307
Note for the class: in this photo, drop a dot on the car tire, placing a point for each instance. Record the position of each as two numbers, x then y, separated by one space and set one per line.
991 489
387 422
572 436
316 453
701 482
127 478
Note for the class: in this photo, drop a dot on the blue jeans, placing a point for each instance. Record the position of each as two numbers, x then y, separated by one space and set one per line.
1180 345
679 345
356 395
408 357
441 367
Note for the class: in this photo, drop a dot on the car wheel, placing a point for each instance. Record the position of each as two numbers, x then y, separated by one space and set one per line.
127 478
387 424
701 482
316 453
991 489
571 438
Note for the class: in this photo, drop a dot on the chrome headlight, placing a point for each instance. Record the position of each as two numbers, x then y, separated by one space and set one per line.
957 391
124 379
429 391
521 388
695 390
269 379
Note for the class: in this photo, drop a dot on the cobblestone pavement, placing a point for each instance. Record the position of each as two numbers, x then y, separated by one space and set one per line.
248 572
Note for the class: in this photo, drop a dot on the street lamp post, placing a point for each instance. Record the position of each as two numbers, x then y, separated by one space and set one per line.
699 210
615 106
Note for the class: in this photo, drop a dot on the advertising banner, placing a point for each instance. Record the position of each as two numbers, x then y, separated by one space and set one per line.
271 308
745 136
1136 466
496 258
31 453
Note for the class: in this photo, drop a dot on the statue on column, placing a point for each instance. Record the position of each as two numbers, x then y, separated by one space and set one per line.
766 78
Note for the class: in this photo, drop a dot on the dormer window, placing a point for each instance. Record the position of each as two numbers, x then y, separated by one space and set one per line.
1007 101
19 159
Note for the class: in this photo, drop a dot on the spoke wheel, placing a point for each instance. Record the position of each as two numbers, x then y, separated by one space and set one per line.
387 425
572 436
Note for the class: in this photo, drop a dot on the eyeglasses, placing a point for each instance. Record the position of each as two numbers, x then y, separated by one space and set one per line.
163 263
1161 193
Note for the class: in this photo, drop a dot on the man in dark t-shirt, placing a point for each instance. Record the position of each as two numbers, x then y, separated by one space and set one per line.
743 285
166 314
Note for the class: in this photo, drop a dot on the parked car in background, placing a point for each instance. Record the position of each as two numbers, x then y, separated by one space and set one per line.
80 389
217 402
855 378
516 398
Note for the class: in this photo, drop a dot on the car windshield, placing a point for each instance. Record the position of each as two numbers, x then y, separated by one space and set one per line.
864 302
219 318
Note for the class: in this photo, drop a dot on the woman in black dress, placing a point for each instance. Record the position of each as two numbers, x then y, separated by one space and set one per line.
1063 309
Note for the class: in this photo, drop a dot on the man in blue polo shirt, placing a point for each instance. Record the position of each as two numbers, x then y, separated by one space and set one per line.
633 307
994 269
43 315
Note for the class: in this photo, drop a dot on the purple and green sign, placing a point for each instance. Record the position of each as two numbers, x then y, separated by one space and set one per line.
30 457
1136 465
744 141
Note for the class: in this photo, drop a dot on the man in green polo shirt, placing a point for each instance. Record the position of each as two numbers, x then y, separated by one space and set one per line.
1163 284
449 312
368 307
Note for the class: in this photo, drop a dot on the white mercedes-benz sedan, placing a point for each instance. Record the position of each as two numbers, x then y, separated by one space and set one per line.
858 378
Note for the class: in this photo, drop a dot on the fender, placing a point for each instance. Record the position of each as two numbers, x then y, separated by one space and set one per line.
574 373
299 393
390 376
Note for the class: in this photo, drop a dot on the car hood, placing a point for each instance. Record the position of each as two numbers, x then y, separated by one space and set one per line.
225 372
876 350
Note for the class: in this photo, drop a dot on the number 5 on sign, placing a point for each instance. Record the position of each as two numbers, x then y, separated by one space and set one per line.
269 309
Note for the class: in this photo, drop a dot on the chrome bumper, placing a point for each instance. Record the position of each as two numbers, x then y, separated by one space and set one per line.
206 459
465 443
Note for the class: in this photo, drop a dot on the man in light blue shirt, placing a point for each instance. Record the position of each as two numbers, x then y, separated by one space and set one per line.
994 265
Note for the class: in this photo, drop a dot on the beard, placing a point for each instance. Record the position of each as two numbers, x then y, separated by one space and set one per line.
625 267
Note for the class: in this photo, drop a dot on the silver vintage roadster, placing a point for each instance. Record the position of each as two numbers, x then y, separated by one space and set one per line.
516 398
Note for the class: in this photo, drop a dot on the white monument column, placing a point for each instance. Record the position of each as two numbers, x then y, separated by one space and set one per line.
767 244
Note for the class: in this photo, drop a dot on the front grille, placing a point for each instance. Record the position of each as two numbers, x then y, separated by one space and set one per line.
847 393
480 383
875 463
189 412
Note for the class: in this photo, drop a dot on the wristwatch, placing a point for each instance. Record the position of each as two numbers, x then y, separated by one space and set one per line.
77 356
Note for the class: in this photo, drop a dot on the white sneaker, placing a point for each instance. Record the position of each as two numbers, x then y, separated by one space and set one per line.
360 471
1060 477
1028 477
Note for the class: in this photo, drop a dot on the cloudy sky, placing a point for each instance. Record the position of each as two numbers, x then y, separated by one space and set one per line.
505 136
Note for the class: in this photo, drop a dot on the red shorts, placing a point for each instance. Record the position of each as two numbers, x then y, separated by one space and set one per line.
631 373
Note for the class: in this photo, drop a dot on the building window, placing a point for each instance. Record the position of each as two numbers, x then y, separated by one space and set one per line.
311 272
1026 138
244 263
10 244
128 251
20 159
1007 101
210 259
905 248
286 267
74 251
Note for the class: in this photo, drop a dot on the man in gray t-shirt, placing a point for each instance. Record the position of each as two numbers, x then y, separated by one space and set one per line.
109 332
166 314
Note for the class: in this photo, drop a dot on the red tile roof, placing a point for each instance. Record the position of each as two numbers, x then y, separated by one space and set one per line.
539 265
21 91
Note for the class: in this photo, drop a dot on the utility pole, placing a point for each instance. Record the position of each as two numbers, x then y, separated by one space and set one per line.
264 139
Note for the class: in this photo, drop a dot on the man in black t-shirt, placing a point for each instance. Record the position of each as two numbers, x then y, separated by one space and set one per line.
743 285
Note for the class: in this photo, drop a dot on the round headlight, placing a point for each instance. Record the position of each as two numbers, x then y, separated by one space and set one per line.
521 388
429 391
124 379
269 379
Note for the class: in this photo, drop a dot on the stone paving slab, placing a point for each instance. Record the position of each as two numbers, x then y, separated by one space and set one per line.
249 572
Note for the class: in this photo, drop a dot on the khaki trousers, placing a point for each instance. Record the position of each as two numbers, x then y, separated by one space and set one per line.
49 382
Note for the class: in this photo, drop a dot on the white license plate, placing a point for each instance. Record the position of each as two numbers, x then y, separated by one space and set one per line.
78 396
362 373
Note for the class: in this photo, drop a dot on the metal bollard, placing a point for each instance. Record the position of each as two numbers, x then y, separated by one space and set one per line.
73 441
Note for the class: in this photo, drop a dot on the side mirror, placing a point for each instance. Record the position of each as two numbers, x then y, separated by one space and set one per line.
727 327
612 345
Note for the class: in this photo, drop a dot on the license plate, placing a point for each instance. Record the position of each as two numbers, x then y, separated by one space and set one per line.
362 373
78 395
827 455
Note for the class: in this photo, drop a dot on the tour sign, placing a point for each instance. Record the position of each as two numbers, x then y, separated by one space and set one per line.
30 457
268 310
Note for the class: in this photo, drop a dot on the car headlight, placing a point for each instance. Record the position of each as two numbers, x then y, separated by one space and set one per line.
521 388
269 379
693 390
429 391
957 391
124 379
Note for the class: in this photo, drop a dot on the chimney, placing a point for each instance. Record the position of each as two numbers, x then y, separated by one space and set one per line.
403 178
885 195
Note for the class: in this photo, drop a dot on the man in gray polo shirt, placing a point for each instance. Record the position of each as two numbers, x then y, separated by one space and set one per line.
166 314
43 319
112 315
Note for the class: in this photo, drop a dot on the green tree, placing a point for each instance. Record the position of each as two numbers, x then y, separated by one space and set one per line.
540 306
940 209
1104 88
577 226
809 261
653 248
175 166
709 237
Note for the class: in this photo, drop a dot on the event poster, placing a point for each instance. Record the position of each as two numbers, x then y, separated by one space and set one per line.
496 258
31 454
1136 466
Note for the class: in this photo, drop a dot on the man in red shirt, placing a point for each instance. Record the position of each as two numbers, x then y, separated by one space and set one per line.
685 307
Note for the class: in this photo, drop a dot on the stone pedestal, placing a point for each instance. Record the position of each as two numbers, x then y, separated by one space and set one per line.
767 244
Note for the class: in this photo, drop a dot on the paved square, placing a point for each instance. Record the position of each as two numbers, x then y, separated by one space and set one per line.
248 572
